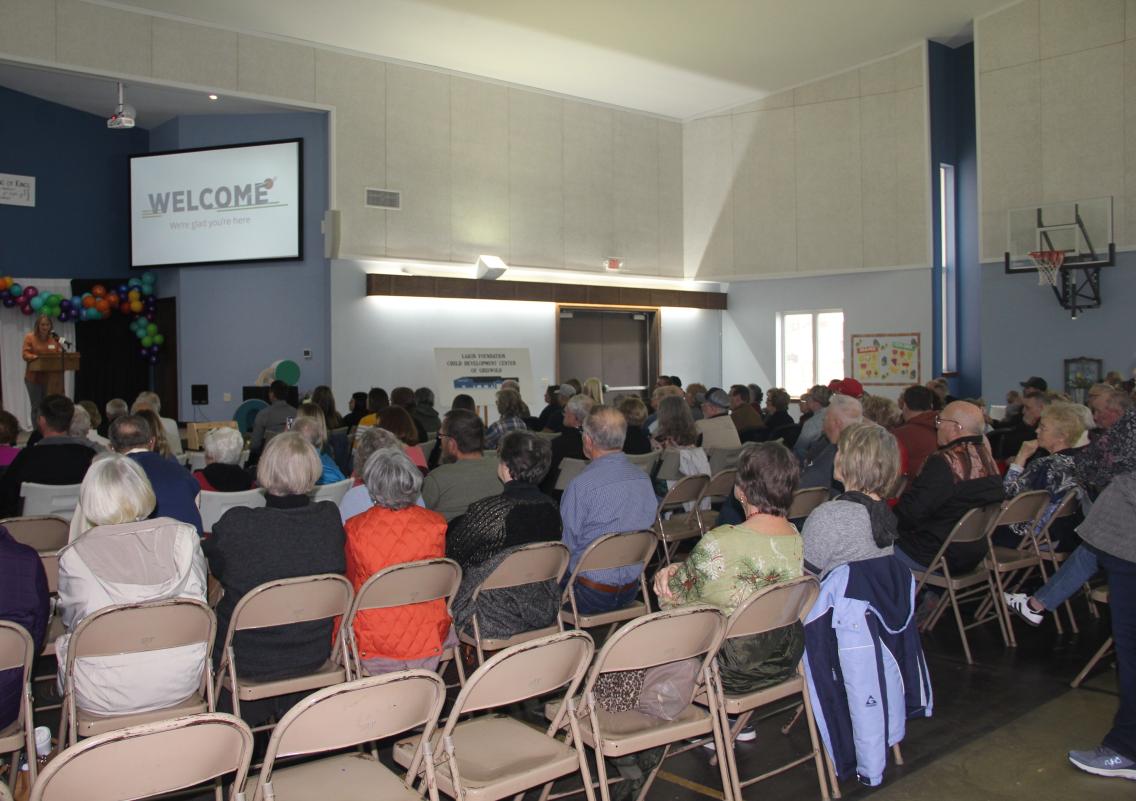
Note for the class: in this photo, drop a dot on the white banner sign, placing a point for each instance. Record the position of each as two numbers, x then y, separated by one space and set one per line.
17 190
479 372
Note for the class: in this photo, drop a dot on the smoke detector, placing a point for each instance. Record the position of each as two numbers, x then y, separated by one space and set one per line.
124 114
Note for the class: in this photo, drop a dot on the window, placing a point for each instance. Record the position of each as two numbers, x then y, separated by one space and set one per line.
948 315
810 346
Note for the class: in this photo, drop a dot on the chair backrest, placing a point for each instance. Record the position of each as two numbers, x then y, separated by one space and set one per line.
49 499
537 561
17 650
360 711
409 583
50 562
685 490
617 550
213 505
773 607
292 600
805 500
148 760
569 469
644 461
661 637
43 532
526 671
1068 507
1020 509
971 527
195 432
721 484
723 458
333 492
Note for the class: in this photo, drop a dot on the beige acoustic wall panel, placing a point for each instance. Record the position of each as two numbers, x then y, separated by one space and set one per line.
670 198
536 179
635 197
912 178
1008 37
765 192
829 212
879 155
27 29
1126 224
276 69
708 206
356 87
418 162
1070 26
479 114
102 38
194 54
588 192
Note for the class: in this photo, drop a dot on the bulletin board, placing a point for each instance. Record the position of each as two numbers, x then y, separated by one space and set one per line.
886 359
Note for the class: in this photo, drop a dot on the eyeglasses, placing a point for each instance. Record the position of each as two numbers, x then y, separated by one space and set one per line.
940 420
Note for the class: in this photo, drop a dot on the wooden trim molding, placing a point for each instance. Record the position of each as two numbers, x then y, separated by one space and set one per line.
412 286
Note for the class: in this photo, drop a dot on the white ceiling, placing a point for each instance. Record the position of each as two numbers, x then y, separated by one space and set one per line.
678 58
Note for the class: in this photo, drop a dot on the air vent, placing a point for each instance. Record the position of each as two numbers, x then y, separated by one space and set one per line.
383 199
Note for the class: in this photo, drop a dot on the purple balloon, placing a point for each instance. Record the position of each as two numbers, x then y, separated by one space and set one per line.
123 289
150 316
30 292
5 294
9 301
65 304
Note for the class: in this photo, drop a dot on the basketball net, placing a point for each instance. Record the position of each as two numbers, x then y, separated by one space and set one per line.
1048 263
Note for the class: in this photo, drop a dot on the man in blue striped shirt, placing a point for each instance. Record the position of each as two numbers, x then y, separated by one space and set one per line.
610 494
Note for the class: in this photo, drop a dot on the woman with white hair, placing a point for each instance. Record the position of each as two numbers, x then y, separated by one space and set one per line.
358 499
222 471
391 532
290 536
128 559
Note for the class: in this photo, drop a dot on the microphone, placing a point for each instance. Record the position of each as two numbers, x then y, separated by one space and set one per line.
55 336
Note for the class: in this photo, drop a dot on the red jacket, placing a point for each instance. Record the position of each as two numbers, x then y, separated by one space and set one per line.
382 537
919 438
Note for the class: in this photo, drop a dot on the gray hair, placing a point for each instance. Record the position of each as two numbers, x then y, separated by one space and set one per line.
580 405
147 400
566 391
846 408
509 383
289 465
607 428
80 422
116 490
392 479
224 445
369 441
116 407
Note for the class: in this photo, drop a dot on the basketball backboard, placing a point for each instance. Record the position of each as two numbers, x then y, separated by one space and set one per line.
1082 229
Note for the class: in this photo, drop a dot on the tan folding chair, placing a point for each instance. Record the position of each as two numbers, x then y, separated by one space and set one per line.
121 630
43 532
402 585
644 461
1011 562
569 469
529 564
17 651
55 629
689 632
620 549
673 523
58 500
723 458
717 490
1049 554
766 610
1100 596
280 603
213 505
360 711
487 757
148 760
971 528
333 492
805 500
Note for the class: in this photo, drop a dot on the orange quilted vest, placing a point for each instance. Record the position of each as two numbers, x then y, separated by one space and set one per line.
383 537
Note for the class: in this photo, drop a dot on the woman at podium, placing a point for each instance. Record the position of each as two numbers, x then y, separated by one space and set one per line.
41 342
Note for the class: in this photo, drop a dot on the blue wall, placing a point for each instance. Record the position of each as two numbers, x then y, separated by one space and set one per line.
79 225
235 320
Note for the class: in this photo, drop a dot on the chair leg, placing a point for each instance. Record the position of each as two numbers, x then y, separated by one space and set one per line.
601 773
835 782
897 754
788 727
1003 610
1072 618
818 756
651 776
962 628
1097 657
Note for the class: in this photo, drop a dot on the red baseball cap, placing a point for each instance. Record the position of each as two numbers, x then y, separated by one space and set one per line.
850 387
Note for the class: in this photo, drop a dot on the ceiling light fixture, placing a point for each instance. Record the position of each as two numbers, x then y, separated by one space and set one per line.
213 97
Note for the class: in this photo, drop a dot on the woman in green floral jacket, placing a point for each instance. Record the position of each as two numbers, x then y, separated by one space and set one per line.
731 563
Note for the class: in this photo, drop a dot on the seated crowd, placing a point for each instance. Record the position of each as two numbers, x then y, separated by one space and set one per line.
899 476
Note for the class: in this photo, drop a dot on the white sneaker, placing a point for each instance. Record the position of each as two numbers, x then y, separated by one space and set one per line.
1019 603
746 735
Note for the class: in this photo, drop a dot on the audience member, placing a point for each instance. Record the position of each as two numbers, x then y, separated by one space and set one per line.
174 488
731 563
377 401
777 410
461 401
396 420
881 411
310 425
80 428
850 387
466 475
391 532
161 444
812 429
756 394
288 537
358 498
24 600
127 559
552 415
577 387
941 389
742 414
424 412
635 412
1109 406
610 494
510 418
223 471
96 425
858 524
323 397
58 458
570 443
513 384
715 427
817 466
656 397
917 434
9 433
694 391
273 420
960 476
403 398
1013 405
677 432
115 407
169 427
357 407
593 388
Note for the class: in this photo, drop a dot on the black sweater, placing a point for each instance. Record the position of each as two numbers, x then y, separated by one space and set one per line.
519 515
62 461
248 547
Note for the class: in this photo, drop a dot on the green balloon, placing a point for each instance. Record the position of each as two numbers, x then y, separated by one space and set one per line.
147 342
159 339
151 329
56 311
139 333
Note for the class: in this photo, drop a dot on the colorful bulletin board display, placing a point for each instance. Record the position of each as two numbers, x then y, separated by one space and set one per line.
886 359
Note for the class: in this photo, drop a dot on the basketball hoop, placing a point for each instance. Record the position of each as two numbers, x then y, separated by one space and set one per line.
1048 263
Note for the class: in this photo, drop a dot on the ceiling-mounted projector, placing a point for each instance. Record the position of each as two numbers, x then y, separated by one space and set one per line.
124 115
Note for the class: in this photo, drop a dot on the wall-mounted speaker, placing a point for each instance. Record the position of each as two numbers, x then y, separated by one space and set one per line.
199 394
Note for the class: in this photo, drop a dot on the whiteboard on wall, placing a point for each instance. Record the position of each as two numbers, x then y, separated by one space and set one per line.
479 372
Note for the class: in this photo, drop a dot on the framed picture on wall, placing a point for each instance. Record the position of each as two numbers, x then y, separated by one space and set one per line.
1081 372
886 359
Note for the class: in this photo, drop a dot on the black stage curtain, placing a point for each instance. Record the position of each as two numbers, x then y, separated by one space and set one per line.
111 366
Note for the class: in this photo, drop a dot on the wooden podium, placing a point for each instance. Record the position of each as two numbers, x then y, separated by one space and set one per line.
54 365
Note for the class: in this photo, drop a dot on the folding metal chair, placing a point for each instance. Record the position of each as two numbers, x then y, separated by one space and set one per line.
1049 554
213 505
569 469
1011 562
17 651
717 490
805 500
58 500
42 532
673 523
1100 596
333 492
609 551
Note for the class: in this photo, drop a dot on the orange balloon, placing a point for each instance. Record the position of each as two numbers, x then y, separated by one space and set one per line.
98 290
88 302
102 305
112 298
136 306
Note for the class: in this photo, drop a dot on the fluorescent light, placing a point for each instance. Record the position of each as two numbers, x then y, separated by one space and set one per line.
213 97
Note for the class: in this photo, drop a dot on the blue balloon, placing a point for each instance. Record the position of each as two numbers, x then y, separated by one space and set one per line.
9 302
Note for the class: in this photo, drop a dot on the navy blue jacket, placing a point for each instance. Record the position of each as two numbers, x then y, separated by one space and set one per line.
175 488
23 600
